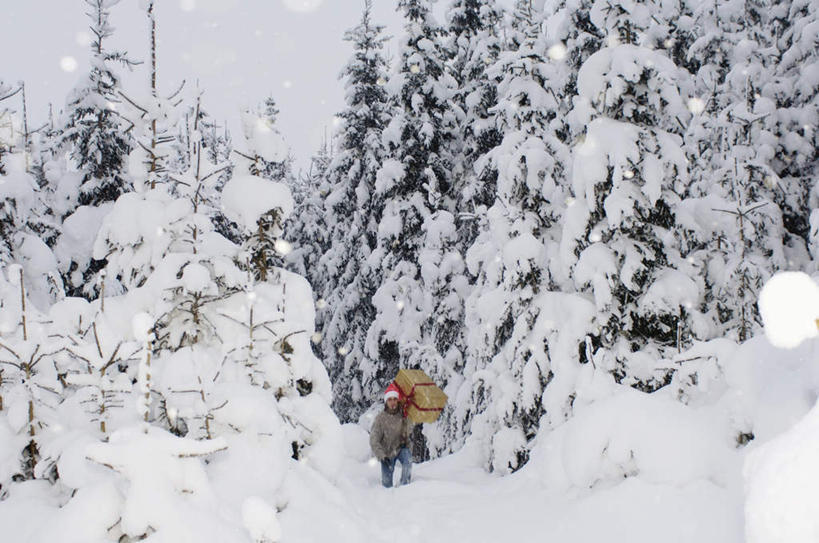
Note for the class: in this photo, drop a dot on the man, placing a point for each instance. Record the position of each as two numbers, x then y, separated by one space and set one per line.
389 439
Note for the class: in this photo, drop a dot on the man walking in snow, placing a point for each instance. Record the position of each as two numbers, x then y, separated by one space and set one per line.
389 439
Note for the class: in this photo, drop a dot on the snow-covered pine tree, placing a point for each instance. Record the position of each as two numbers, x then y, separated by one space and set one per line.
25 226
628 169
416 257
29 383
202 267
509 347
267 151
12 210
98 140
474 44
352 211
154 119
94 133
734 229
218 146
26 222
266 156
306 236
7 131
796 92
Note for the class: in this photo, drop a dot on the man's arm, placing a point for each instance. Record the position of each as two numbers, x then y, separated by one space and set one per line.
376 434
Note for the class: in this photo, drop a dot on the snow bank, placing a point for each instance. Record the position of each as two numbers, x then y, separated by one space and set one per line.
782 485
634 434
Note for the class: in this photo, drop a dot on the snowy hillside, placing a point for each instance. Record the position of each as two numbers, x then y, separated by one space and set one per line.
594 225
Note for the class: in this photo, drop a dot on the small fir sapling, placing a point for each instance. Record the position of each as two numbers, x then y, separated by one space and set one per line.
267 152
33 389
201 268
98 377
165 474
143 325
156 116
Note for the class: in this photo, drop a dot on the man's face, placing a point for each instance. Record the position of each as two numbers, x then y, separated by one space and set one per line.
392 403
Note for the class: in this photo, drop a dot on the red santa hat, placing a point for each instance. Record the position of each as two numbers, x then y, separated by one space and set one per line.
392 392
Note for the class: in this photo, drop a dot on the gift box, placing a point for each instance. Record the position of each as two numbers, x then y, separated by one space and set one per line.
423 400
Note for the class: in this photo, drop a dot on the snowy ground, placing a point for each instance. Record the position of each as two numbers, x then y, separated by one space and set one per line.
684 483
628 467
453 499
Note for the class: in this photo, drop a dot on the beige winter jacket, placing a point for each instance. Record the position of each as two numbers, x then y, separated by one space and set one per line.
389 433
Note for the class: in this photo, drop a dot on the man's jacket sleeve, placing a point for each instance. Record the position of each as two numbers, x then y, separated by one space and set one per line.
375 440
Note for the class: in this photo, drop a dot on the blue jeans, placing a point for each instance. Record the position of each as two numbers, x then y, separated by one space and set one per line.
388 467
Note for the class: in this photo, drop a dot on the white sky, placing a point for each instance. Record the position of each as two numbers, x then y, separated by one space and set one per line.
240 51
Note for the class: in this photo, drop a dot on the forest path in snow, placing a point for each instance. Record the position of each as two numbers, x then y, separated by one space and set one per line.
453 500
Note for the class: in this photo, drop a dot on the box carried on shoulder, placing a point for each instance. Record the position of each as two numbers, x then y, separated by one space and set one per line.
424 401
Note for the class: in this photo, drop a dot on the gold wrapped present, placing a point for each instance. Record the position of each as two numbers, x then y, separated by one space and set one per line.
424 400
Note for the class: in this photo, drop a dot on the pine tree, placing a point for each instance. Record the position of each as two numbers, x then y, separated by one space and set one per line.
153 118
732 165
94 132
627 172
416 235
510 256
346 282
98 141
201 277
474 45
27 226
267 152
7 130
306 229
794 89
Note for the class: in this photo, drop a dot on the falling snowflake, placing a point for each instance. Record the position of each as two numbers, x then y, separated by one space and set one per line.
696 105
557 52
283 247
68 64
